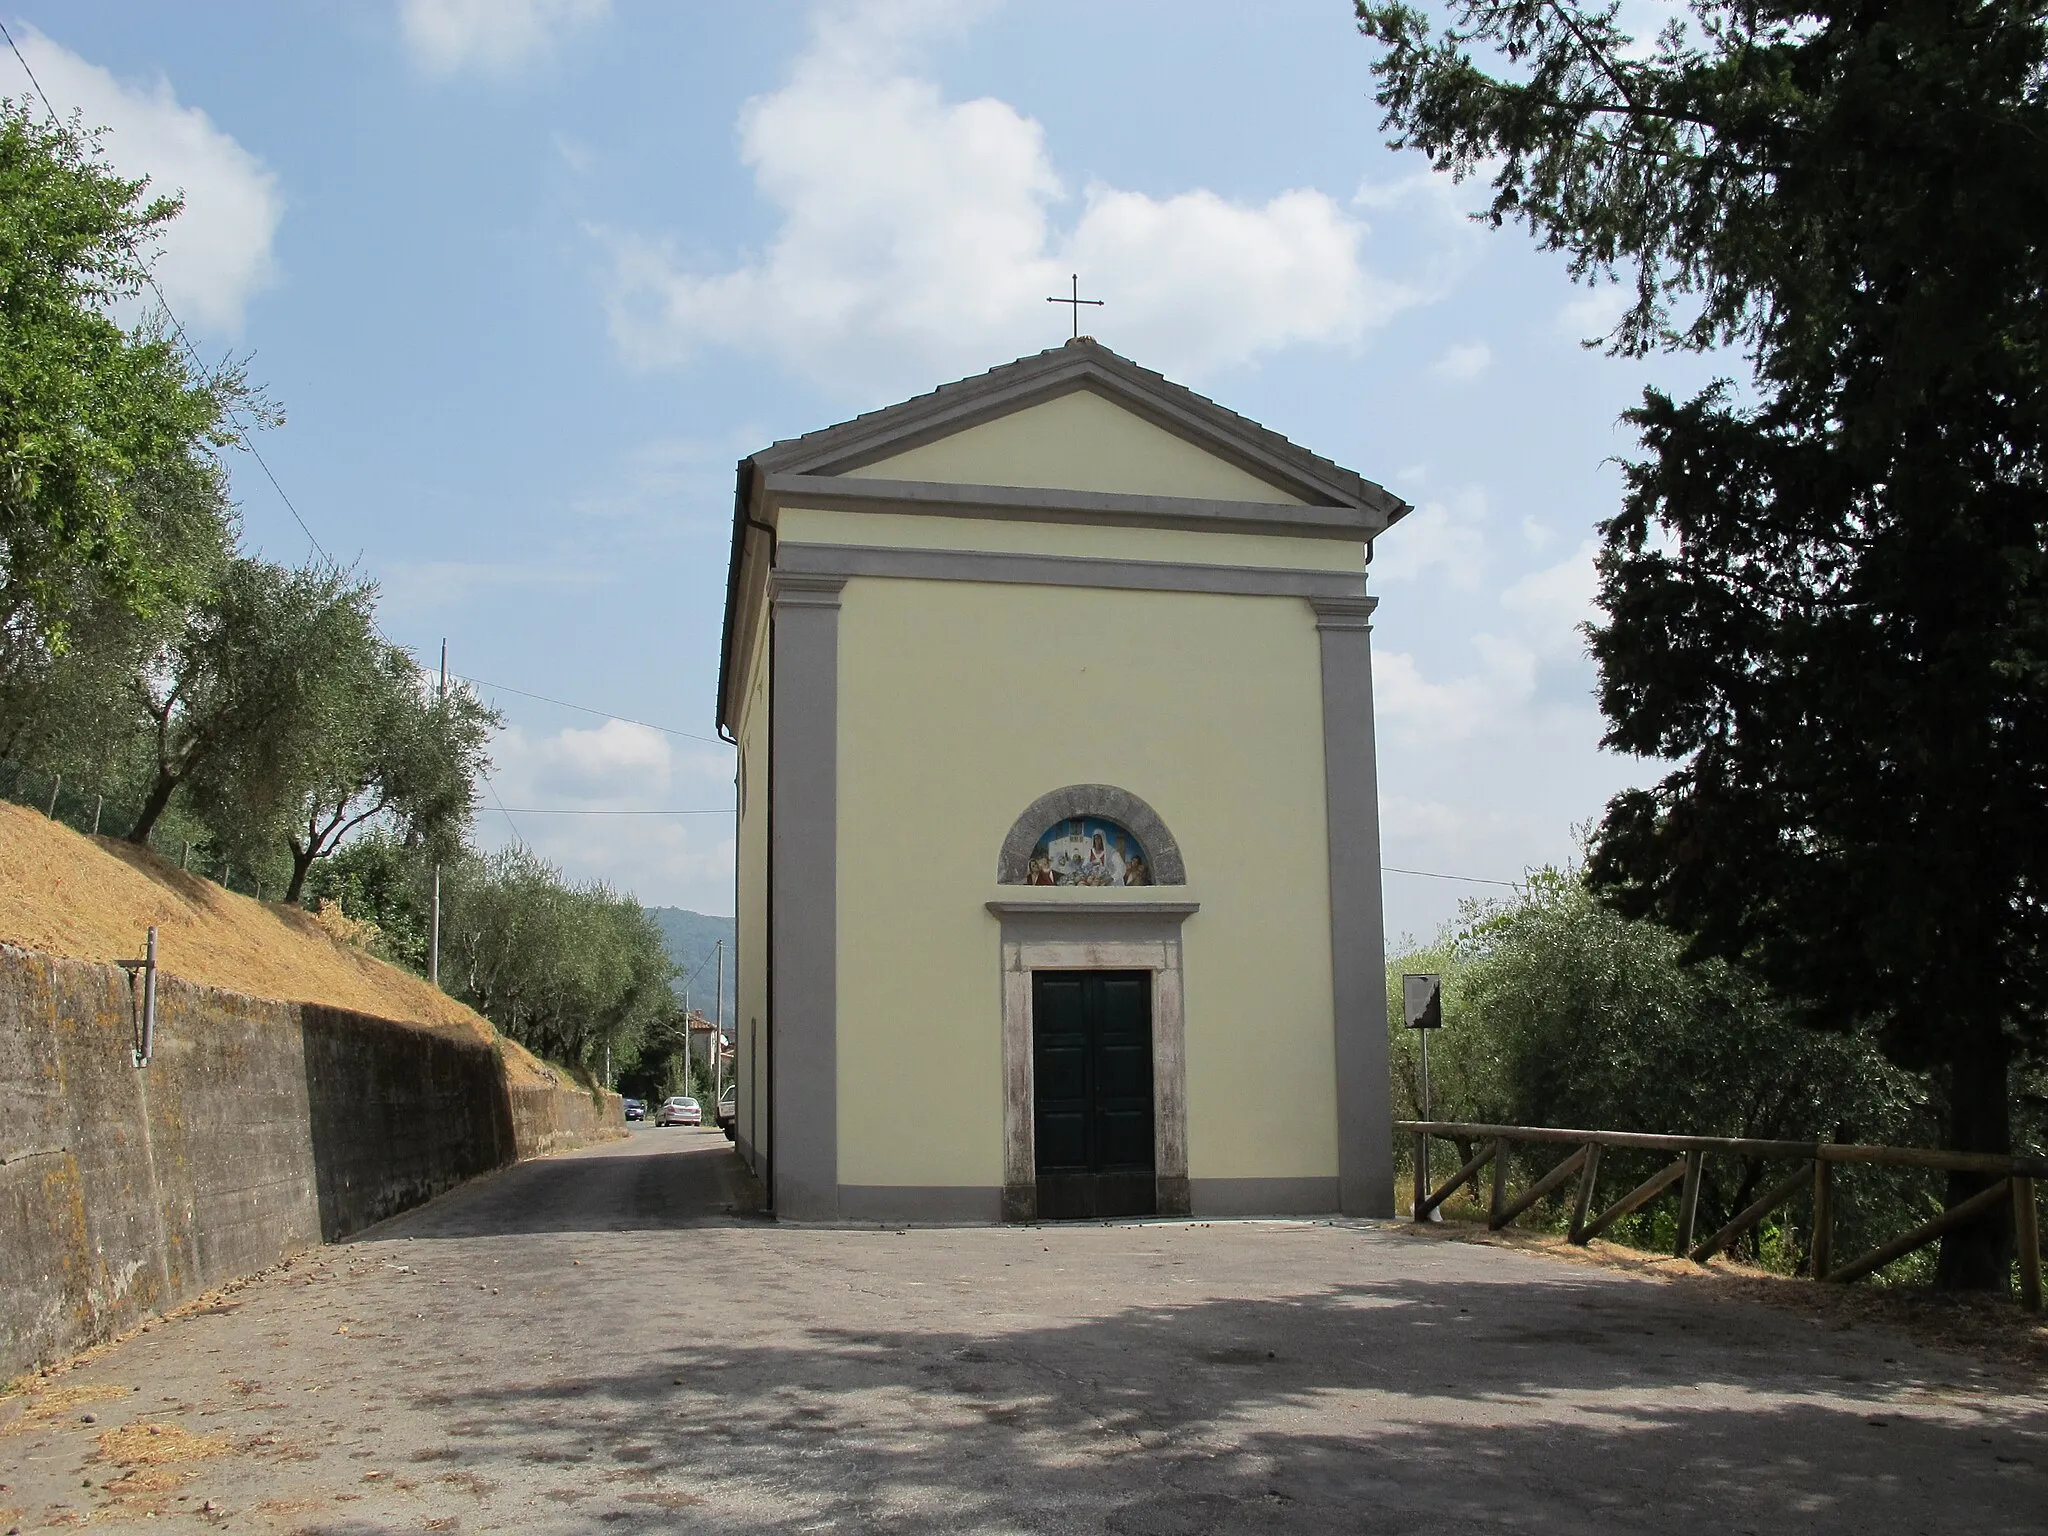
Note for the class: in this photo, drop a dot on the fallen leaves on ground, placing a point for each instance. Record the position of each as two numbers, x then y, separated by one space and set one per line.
159 1444
43 1405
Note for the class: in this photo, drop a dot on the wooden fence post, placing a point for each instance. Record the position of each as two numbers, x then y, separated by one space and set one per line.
1466 1170
1823 1217
2026 1230
1689 1201
1588 1177
1500 1180
1750 1215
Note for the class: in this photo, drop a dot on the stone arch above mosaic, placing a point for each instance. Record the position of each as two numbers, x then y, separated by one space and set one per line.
1090 834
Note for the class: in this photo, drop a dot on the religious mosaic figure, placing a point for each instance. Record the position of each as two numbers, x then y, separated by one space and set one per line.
1086 850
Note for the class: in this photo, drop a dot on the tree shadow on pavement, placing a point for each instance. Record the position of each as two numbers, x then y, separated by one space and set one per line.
1565 1405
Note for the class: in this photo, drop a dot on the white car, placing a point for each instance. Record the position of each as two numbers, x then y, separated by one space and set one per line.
679 1111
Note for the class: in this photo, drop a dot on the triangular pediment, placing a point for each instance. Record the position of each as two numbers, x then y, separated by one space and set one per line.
1075 434
1079 441
1080 418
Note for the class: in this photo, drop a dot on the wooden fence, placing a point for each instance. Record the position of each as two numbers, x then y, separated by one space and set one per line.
1481 1145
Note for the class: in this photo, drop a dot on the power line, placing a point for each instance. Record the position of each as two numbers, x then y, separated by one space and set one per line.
32 80
1430 874
561 810
249 447
589 710
247 443
501 807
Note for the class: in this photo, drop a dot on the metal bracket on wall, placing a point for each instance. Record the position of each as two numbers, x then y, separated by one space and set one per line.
145 1031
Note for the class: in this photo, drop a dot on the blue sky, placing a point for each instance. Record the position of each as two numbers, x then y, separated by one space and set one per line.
528 276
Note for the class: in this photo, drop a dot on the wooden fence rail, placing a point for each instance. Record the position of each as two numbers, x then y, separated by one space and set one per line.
1816 1161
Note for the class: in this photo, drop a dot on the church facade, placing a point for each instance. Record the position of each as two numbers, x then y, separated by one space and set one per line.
1058 843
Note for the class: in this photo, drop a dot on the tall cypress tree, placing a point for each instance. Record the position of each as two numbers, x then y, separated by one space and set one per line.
1826 596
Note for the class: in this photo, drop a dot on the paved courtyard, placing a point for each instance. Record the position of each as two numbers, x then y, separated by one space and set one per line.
591 1342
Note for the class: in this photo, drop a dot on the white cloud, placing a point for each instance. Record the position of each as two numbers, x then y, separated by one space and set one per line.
578 157
437 584
1482 841
671 485
1467 361
1552 603
1418 712
917 234
1591 315
1504 693
215 256
612 766
490 37
666 859
1444 538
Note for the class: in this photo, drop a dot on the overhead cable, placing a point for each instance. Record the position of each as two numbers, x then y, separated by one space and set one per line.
247 443
590 710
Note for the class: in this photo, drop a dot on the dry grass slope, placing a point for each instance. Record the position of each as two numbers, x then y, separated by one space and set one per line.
94 898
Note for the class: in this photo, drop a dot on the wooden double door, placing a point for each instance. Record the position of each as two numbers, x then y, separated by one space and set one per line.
1091 1057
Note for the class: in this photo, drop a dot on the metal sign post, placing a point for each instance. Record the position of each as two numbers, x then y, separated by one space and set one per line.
1422 1008
434 923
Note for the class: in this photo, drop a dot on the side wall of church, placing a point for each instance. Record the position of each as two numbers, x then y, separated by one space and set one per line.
959 704
751 1018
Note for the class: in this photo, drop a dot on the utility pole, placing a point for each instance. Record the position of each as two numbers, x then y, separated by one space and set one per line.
718 1037
434 940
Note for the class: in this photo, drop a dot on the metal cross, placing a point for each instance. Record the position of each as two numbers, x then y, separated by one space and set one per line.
1077 301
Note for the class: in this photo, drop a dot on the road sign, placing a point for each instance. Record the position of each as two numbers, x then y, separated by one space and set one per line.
1422 1000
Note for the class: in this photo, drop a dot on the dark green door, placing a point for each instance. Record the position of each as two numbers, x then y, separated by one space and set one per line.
1091 1056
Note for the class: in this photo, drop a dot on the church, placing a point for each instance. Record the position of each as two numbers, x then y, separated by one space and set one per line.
1058 838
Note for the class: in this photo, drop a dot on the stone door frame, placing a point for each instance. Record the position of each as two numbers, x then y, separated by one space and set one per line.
1068 934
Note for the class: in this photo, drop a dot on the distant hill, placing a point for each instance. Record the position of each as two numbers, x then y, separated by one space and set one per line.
691 939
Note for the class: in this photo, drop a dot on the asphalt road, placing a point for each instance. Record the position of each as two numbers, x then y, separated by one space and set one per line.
597 1342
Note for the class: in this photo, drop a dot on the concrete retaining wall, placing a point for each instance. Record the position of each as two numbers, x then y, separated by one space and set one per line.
258 1129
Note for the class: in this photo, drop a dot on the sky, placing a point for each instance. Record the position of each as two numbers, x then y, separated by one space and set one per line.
529 276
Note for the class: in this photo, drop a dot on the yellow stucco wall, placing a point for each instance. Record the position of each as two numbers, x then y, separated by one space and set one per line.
912 530
959 704
1077 442
751 1019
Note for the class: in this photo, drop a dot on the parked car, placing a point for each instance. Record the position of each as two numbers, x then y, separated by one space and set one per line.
680 1111
636 1109
729 1113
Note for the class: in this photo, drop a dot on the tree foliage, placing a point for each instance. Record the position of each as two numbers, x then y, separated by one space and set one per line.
242 702
100 428
73 707
1826 604
388 749
377 879
251 707
565 970
1559 1011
